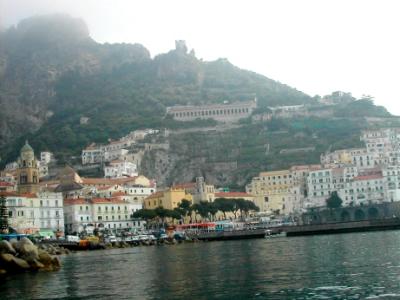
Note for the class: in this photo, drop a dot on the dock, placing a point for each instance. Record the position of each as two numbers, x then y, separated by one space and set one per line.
341 227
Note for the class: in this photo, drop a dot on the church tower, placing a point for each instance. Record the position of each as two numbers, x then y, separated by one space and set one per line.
28 170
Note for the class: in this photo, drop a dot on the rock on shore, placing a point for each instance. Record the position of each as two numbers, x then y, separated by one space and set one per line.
23 255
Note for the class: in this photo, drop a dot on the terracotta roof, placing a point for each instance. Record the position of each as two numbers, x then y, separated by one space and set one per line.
156 195
107 200
5 183
102 188
116 161
368 177
16 194
118 194
8 194
74 201
232 195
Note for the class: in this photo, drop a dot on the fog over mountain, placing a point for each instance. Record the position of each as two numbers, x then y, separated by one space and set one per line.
315 46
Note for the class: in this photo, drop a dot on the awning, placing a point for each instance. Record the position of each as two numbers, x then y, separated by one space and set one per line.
46 233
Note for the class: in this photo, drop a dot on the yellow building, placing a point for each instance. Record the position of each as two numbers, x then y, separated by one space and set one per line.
275 191
168 199
28 170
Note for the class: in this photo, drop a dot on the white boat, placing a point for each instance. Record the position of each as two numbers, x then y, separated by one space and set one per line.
274 234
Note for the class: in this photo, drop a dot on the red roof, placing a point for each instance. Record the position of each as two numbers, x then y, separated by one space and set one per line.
117 194
74 201
107 200
16 194
5 183
368 177
232 195
102 188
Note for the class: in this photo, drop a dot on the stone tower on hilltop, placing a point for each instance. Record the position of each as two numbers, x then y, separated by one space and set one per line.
28 170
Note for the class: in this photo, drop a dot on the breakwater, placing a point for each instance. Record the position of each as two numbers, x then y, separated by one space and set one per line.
23 255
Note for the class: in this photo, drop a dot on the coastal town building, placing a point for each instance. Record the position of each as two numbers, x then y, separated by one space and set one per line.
111 214
226 112
120 169
276 191
168 199
46 157
40 213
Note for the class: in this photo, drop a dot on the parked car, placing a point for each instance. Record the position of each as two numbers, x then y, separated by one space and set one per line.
72 238
111 239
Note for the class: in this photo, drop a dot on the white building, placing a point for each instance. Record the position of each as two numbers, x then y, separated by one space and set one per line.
364 190
110 214
51 211
119 169
392 182
41 213
11 166
46 157
43 169
92 155
320 185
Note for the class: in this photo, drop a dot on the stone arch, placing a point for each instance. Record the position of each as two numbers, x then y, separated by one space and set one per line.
359 215
345 216
373 213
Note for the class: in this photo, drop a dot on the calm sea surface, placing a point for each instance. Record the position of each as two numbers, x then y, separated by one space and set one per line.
346 266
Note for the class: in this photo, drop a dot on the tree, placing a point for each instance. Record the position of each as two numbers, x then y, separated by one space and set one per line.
185 207
161 213
3 215
177 213
212 209
240 204
334 201
201 209
224 205
145 214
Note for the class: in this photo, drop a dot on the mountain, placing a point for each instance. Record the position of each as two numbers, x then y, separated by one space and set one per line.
52 73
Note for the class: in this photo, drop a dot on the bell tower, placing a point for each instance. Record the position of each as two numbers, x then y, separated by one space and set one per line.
28 170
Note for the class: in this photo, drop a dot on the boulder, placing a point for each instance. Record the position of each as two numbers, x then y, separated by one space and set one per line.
14 243
11 263
45 258
6 258
36 265
20 264
28 252
56 262
6 247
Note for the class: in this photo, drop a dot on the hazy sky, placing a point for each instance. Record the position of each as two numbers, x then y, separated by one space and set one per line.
316 46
